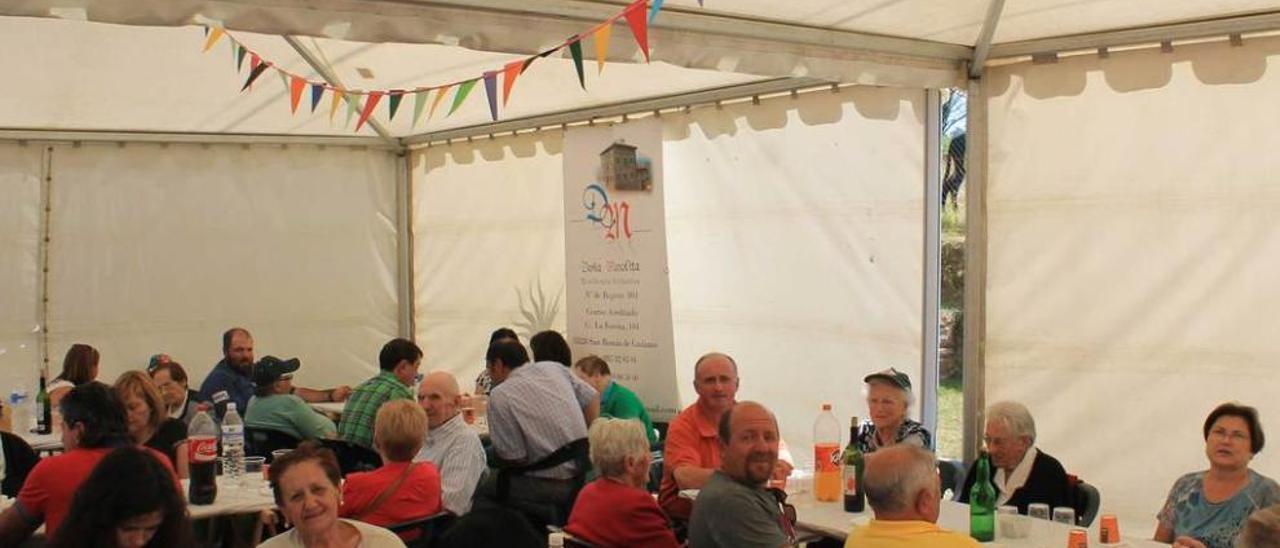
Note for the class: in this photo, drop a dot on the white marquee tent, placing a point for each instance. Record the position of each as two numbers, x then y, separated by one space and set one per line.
1119 202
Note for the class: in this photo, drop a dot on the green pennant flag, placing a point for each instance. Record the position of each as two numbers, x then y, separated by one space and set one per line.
240 51
575 49
419 101
461 95
232 46
393 103
352 106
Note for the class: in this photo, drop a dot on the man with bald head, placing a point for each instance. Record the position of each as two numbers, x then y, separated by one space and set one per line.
452 445
902 487
734 509
692 451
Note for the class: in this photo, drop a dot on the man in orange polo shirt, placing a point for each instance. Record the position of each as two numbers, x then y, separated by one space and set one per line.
692 451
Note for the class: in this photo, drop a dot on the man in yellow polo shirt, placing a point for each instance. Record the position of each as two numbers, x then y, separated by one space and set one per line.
901 483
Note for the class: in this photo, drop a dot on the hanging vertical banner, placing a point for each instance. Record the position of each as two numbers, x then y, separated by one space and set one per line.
617 289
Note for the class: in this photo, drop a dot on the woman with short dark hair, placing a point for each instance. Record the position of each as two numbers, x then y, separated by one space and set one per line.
307 483
1207 509
78 367
128 501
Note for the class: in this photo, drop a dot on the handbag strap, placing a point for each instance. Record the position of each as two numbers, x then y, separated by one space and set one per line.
386 493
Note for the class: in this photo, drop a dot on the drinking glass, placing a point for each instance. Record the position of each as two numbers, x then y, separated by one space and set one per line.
1011 524
275 455
1038 510
1065 515
252 475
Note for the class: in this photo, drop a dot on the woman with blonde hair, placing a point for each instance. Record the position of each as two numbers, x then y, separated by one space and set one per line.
79 366
148 419
401 490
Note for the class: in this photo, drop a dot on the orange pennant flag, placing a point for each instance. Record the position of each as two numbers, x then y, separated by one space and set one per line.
337 100
214 35
440 93
510 72
602 45
636 19
369 105
296 85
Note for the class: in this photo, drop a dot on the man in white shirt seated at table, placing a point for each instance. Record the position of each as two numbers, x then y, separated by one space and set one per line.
452 445
901 483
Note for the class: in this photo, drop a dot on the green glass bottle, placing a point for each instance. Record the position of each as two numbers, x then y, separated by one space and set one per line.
44 412
982 503
854 498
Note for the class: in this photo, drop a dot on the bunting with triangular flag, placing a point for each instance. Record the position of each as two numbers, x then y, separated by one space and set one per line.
353 106
575 50
635 16
214 36
509 74
439 96
655 6
419 100
296 85
602 45
333 106
459 96
491 92
393 103
317 91
240 57
254 74
369 104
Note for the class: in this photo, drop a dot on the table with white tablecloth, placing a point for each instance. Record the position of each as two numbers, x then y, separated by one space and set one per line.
43 443
830 520
233 499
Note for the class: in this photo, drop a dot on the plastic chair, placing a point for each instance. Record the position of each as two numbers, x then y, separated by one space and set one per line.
428 529
353 457
952 474
19 459
262 441
1088 500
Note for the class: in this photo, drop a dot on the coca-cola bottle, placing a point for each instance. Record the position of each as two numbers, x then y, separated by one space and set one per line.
202 457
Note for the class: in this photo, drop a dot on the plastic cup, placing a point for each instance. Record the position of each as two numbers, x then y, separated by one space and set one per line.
279 453
252 471
1077 538
1109 531
1011 524
1038 510
1065 515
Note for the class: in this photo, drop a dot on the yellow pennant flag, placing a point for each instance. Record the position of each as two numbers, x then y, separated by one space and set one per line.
440 93
602 45
215 33
337 100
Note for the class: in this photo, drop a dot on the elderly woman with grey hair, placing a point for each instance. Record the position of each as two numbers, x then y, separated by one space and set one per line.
616 510
1022 474
1261 530
888 399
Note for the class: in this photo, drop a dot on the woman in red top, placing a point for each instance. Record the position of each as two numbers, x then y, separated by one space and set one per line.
615 510
399 431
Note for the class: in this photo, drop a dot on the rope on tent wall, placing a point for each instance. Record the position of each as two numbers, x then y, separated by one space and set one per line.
46 216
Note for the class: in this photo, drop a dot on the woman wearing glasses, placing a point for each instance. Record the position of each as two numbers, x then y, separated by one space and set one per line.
1206 509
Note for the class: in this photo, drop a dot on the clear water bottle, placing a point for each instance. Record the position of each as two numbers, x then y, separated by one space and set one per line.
232 445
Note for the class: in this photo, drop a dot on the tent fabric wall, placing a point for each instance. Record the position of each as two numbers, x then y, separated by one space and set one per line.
488 246
20 171
1132 256
161 248
795 238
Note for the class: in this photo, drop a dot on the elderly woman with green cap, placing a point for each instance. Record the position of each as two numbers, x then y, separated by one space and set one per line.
889 397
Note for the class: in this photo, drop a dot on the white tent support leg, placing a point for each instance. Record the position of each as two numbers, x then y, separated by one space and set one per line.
42 252
975 271
983 48
932 282
404 244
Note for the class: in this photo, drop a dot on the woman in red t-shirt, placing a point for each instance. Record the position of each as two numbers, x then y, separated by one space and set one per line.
413 489
616 510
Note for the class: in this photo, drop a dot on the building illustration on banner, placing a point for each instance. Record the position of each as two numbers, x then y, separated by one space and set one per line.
622 168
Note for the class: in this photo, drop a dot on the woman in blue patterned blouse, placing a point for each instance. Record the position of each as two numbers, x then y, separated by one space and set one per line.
1206 509
888 399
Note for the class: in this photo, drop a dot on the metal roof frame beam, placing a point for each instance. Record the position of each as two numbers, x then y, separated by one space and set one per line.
1155 34
160 137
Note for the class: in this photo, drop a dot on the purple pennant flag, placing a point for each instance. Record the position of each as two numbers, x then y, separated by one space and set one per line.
257 71
491 89
317 91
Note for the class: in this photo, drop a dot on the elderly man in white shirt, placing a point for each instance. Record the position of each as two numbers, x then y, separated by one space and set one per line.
452 445
1023 474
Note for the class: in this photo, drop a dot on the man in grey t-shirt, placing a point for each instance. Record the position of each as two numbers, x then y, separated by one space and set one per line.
734 510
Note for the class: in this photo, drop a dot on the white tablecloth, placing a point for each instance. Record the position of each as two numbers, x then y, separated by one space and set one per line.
232 499
42 442
328 407
830 520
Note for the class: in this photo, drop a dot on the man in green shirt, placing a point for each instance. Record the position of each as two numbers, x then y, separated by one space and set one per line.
616 401
399 361
274 407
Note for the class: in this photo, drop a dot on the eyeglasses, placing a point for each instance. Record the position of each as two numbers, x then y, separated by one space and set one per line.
1221 433
788 514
